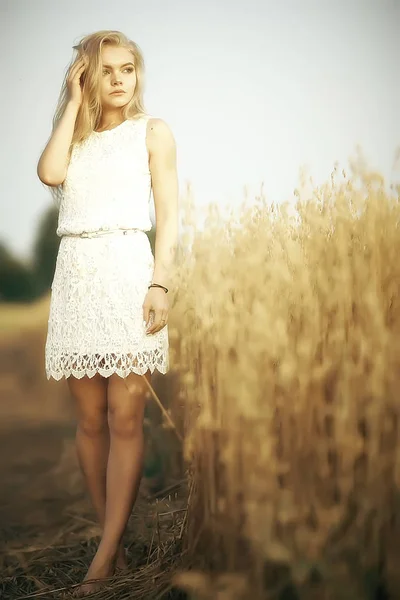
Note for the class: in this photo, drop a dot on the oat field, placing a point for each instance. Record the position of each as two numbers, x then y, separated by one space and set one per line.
289 365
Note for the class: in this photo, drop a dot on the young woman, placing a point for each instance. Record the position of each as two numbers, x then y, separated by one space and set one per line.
107 328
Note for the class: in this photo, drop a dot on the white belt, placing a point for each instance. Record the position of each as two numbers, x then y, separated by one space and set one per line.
90 234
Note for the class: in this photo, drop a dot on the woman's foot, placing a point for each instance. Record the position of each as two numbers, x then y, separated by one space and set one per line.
122 559
102 567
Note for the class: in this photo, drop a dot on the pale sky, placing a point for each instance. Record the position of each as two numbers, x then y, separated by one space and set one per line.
252 90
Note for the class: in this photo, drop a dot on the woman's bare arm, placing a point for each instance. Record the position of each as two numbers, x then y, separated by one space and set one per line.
162 148
53 163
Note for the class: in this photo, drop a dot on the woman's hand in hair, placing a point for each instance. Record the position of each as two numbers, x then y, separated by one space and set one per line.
74 84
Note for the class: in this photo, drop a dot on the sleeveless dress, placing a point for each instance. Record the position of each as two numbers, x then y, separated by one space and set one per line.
104 263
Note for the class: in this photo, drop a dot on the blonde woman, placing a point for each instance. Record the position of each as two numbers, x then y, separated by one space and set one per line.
107 328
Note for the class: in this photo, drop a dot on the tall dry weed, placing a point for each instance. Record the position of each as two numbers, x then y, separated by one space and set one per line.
285 333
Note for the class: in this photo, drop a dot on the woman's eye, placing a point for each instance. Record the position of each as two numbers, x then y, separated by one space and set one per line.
130 69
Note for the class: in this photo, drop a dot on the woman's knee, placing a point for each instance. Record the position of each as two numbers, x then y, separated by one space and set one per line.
125 425
93 425
126 401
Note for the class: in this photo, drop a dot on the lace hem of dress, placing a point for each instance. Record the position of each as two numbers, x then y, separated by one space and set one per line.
121 364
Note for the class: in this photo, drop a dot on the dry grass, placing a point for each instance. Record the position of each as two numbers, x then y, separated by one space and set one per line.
289 369
54 562
49 533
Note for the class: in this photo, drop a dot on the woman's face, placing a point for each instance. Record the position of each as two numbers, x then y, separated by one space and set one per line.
118 73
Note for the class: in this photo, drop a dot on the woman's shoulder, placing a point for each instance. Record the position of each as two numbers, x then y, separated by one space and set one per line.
157 129
143 121
154 126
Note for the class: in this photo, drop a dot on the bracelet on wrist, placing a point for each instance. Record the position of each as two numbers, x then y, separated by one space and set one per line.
159 286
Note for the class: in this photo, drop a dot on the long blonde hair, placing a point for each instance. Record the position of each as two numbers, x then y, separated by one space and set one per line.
89 114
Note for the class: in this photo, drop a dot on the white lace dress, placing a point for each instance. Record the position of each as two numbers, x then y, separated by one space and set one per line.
102 275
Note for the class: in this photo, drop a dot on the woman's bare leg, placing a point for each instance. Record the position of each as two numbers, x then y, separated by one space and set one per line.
92 435
93 441
126 402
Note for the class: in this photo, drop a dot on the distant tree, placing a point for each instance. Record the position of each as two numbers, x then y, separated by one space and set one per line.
17 283
45 250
